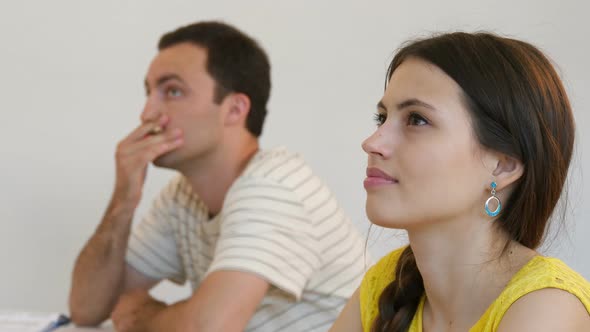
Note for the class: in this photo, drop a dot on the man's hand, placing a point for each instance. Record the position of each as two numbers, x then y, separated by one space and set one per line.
144 144
134 311
99 272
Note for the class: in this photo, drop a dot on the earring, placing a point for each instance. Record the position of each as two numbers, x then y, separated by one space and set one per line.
493 197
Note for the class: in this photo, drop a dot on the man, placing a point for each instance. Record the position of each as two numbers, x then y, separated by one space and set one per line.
262 241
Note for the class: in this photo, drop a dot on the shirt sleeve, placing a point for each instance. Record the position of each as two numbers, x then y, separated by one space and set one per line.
266 231
152 248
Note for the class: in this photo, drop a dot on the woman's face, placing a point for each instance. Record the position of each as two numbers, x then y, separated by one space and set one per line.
425 164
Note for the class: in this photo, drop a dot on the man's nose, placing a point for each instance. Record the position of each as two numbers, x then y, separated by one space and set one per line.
151 110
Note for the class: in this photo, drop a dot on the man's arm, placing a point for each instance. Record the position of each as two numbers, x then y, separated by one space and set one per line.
225 301
99 273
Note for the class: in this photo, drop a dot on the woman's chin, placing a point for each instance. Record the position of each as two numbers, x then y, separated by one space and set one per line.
386 220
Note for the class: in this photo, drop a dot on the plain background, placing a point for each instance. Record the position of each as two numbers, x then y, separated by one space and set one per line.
71 76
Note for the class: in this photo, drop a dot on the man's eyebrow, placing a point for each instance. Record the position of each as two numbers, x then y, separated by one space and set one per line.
163 79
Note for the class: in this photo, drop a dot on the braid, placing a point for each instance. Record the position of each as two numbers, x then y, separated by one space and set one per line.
400 299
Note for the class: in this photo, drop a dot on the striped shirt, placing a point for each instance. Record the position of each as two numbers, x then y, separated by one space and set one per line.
278 221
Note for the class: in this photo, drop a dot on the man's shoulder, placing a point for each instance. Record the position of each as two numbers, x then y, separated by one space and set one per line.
268 176
275 165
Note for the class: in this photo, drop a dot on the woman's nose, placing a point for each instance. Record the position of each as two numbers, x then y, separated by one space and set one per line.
378 144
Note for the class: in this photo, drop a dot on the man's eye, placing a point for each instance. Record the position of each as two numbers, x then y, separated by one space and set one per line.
379 118
173 92
415 119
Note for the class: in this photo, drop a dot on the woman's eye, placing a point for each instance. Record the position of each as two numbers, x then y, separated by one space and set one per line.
173 92
415 119
379 118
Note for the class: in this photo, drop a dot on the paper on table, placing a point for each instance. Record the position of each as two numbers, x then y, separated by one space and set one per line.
71 328
18 321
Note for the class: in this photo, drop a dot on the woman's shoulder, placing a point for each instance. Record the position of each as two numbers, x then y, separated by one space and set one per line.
387 263
383 272
376 279
545 288
549 272
543 273
547 309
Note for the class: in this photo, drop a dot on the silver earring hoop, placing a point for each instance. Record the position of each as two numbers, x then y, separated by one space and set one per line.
493 198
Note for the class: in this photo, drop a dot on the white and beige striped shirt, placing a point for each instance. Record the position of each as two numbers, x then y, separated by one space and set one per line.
278 221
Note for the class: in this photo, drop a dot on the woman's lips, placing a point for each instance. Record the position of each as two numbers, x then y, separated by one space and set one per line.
377 177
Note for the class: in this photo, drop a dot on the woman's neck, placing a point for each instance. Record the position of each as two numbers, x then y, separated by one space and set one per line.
465 266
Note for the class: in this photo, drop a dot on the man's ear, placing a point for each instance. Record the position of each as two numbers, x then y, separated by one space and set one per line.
508 170
239 107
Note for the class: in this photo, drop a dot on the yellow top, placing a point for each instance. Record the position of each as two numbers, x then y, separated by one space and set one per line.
540 272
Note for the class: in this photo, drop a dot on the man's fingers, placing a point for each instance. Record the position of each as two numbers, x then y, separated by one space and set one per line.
151 141
148 128
163 148
130 161
133 157
155 130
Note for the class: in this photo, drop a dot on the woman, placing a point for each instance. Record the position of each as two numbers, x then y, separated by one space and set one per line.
474 140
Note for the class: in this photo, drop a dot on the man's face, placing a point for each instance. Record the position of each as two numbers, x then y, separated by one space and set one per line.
179 86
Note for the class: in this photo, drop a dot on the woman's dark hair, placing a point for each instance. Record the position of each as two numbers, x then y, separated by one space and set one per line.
518 107
234 60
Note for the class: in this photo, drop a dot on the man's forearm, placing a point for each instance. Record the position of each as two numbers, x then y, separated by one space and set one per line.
98 276
137 311
186 315
224 301
176 317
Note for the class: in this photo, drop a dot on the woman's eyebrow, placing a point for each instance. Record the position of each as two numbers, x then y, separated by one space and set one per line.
407 103
414 102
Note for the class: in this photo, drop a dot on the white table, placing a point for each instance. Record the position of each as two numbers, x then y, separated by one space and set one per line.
71 328
22 321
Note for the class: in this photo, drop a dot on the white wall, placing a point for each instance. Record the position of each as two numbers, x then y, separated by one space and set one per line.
71 86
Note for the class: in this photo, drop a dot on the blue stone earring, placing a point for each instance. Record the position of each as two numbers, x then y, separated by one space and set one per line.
493 197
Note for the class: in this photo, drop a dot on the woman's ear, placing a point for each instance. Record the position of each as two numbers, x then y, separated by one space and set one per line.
508 170
239 107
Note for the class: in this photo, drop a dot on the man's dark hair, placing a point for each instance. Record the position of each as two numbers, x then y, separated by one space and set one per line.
235 61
